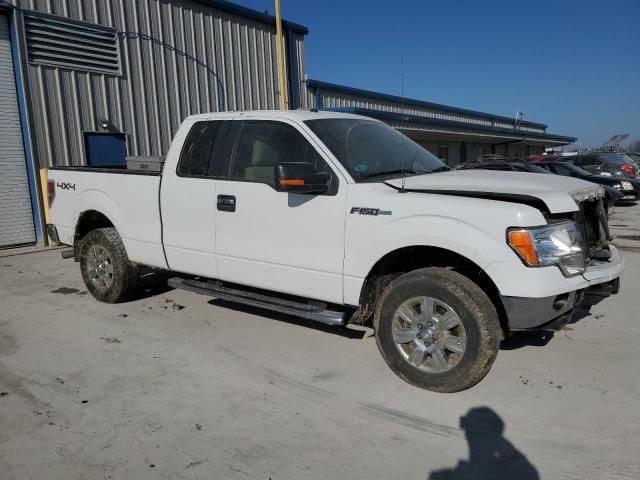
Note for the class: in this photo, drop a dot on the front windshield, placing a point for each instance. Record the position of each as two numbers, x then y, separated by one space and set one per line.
372 150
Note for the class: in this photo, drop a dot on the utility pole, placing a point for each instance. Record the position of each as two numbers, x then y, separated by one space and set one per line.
282 79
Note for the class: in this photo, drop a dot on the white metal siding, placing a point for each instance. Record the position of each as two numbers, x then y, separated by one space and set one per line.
16 217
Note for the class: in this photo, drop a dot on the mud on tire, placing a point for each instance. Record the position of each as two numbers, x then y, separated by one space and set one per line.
477 324
106 270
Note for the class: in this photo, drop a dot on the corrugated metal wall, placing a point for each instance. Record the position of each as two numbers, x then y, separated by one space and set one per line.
300 74
158 88
333 99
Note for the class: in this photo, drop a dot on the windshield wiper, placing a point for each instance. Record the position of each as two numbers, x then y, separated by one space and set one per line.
394 172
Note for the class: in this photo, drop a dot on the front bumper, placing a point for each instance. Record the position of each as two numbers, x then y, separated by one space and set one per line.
629 195
599 281
553 313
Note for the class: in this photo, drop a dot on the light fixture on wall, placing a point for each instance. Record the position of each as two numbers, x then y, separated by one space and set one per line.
105 124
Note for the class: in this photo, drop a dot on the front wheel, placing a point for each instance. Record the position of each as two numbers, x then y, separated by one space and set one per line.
106 270
437 330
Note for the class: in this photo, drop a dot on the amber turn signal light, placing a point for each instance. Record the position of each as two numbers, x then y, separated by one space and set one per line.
522 242
291 181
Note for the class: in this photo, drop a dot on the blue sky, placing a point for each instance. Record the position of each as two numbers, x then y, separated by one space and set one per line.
572 64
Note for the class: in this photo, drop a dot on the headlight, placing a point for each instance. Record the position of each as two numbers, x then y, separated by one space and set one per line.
558 244
627 185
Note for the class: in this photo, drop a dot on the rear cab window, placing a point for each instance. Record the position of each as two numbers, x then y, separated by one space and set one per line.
197 153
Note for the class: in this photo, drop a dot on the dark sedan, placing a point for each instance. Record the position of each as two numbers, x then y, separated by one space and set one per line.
505 165
605 164
629 189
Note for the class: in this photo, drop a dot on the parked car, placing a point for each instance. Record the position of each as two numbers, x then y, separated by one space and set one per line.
339 218
635 156
542 158
606 164
616 188
611 194
502 164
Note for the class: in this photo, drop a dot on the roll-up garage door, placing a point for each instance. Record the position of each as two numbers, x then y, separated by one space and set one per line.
16 216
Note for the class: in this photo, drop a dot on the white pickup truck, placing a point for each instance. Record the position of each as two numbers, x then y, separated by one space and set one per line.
341 219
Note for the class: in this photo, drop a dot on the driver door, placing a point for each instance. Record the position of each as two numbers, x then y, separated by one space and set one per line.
289 242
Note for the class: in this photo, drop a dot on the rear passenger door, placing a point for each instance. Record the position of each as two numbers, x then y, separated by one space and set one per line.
187 201
288 242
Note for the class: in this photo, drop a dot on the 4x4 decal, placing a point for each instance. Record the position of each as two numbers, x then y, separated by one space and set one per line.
66 186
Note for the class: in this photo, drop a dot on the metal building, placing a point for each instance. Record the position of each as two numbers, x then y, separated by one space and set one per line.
453 134
87 82
90 81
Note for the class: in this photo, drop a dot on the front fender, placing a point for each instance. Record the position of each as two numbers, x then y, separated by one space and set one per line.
365 249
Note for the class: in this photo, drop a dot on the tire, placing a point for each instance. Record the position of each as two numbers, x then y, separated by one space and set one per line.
106 270
459 320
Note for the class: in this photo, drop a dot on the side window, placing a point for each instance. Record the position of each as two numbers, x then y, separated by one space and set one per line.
561 170
262 145
198 149
587 162
443 153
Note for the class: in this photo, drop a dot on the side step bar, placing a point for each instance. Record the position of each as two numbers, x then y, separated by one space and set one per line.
311 311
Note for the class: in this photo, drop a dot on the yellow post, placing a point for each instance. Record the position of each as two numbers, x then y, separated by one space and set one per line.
44 179
282 79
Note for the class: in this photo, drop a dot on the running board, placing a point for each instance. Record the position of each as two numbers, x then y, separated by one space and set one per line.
316 311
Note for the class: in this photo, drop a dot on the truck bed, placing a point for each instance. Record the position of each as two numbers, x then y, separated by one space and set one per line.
118 170
128 198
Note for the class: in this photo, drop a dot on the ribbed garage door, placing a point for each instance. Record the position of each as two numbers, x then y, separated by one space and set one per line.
16 217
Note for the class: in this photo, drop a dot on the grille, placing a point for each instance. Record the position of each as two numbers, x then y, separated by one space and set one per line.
592 219
58 42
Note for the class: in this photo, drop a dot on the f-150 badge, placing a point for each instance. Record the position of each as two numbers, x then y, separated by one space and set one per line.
369 211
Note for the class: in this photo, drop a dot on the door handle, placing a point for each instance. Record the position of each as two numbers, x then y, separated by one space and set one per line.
226 203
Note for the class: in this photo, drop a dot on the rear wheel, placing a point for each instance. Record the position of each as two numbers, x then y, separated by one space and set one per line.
106 270
437 330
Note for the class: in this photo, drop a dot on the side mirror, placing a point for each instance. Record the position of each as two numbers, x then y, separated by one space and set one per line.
299 177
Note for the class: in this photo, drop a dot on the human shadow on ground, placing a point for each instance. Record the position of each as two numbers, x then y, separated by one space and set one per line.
491 455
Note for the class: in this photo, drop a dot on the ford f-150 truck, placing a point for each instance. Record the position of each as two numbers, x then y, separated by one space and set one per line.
341 219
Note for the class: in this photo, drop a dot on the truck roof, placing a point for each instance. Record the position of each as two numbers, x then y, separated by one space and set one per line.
300 115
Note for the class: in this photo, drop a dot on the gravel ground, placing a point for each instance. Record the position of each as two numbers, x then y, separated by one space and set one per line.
173 385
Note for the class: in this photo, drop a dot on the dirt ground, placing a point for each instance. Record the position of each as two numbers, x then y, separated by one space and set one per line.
174 385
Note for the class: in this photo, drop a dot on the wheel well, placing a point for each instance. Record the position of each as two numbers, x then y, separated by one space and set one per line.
407 259
90 220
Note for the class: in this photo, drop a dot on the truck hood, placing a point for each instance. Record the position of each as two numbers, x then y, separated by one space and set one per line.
559 194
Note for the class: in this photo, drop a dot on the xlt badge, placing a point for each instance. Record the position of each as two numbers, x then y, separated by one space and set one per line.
369 211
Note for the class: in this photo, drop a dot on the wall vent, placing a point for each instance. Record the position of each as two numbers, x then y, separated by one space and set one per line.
64 43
